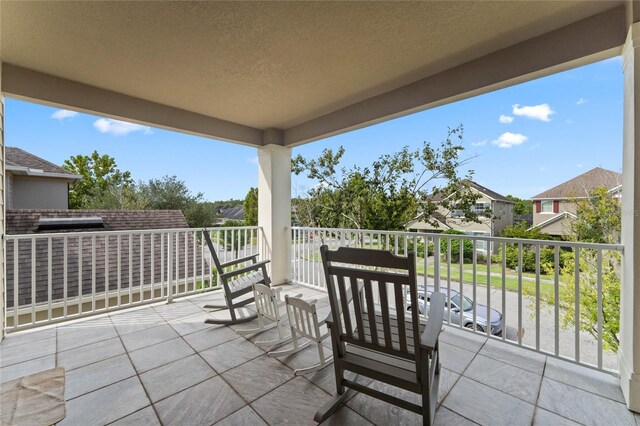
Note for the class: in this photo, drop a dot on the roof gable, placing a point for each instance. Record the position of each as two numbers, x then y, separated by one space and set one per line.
17 159
582 185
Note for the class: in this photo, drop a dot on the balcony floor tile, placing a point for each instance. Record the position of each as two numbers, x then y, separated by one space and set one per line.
85 355
106 404
590 380
295 402
159 354
243 417
512 380
582 406
174 369
172 378
485 405
27 367
147 417
202 404
94 376
231 354
148 337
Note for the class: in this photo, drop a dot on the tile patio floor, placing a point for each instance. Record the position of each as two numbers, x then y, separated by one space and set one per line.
160 364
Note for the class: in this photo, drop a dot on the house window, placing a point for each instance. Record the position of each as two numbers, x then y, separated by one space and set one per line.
546 206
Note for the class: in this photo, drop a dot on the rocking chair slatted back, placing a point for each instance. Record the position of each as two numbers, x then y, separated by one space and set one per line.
371 303
303 318
266 301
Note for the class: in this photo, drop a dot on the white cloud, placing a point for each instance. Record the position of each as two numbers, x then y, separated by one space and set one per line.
118 128
536 112
61 114
581 101
508 140
479 143
505 119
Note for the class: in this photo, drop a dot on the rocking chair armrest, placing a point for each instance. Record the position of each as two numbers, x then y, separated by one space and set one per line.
250 268
431 333
240 260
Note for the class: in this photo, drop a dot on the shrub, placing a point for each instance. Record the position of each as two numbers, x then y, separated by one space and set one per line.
455 246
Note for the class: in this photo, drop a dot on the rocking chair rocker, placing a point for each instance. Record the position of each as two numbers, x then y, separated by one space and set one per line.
236 283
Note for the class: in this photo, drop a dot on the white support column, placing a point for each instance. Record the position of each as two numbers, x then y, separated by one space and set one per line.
274 208
629 350
2 222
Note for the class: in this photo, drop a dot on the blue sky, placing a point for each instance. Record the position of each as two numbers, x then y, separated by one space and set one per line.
552 129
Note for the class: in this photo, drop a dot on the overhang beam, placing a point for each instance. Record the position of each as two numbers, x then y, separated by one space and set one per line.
33 86
589 40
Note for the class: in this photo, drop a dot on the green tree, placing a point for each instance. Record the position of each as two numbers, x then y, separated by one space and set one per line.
250 206
598 221
389 193
170 193
521 231
100 176
467 247
521 206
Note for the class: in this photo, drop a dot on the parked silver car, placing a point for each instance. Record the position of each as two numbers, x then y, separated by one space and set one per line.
462 309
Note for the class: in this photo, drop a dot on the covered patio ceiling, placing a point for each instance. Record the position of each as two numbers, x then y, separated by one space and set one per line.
303 70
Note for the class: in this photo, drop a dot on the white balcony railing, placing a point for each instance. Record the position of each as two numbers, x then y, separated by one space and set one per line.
544 292
58 276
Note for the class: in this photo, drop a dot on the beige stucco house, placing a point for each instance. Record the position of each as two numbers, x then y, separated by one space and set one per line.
490 224
554 209
34 183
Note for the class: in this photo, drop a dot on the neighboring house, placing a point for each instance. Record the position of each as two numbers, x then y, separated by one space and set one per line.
554 209
225 213
133 259
34 183
501 216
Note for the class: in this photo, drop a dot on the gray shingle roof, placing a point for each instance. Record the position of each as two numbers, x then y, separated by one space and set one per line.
19 158
131 247
26 221
582 185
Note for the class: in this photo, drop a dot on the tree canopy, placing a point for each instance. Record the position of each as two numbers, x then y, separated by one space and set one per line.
522 206
101 178
250 206
389 193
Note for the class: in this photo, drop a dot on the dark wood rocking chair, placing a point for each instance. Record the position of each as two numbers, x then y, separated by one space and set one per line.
236 283
374 336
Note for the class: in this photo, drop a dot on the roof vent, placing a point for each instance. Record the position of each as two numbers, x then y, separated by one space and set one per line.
57 223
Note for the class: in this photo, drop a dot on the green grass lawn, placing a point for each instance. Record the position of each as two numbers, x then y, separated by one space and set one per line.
528 287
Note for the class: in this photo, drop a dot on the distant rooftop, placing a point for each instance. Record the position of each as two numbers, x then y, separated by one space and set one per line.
19 161
582 185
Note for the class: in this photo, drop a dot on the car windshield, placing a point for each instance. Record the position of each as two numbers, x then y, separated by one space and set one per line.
468 304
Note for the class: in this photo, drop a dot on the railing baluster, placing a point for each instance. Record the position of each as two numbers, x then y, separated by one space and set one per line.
141 268
556 299
93 273
152 242
80 289
169 267
600 307
130 241
33 281
537 297
488 265
436 264
504 291
119 269
49 276
520 330
474 256
16 284
448 279
577 303
65 275
106 272
461 281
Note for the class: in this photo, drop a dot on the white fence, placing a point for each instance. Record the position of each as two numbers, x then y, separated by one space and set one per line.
548 296
57 276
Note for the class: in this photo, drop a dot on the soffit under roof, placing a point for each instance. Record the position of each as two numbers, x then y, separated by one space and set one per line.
266 64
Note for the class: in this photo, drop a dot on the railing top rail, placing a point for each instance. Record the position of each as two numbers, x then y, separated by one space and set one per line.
124 232
553 243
